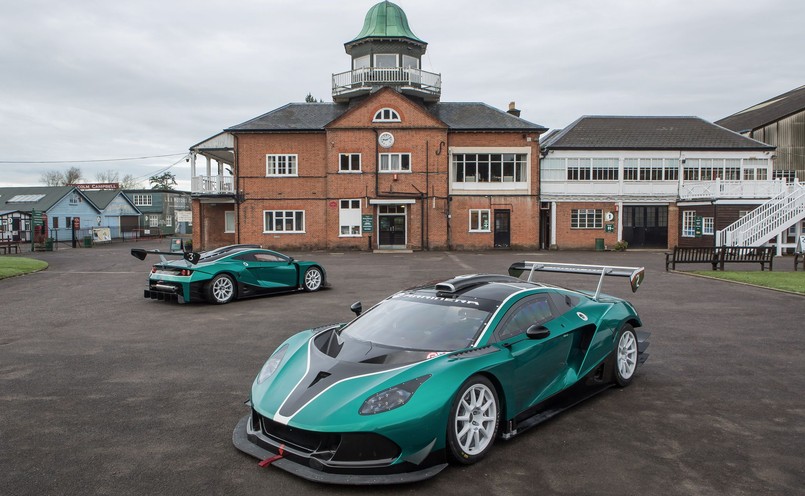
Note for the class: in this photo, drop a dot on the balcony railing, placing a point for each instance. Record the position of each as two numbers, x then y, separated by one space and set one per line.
691 190
212 185
365 77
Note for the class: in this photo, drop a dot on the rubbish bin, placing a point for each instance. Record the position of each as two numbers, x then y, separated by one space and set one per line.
87 241
48 244
599 244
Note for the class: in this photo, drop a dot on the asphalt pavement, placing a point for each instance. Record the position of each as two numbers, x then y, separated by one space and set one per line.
105 392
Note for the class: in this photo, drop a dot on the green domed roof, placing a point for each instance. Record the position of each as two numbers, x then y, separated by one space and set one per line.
386 20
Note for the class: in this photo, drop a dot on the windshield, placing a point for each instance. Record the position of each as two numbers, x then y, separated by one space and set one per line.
422 322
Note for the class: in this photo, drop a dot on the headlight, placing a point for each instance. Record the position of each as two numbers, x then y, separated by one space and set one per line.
271 365
393 397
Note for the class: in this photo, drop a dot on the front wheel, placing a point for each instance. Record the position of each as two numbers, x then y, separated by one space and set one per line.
474 420
221 289
625 362
313 279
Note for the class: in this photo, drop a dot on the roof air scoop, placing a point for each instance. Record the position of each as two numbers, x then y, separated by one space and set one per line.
457 284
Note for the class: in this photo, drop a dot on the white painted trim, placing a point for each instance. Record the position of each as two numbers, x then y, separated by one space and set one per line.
394 201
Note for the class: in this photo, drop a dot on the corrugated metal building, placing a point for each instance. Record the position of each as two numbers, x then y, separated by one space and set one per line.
779 121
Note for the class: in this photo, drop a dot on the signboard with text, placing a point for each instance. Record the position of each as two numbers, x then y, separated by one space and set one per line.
367 223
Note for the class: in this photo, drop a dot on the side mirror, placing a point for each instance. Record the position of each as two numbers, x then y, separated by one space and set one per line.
357 308
537 332
290 260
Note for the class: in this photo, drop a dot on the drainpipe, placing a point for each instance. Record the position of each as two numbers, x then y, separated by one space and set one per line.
236 184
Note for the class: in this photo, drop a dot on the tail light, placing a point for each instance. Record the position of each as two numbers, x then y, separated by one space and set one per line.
185 272
153 270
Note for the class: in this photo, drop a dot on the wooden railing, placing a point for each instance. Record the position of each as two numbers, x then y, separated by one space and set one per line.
212 185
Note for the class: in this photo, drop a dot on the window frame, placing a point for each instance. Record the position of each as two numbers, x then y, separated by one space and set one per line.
597 218
689 224
229 214
390 170
347 217
139 200
708 226
350 158
387 114
285 217
276 167
479 228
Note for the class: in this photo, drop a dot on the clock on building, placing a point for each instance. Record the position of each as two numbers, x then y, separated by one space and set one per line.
385 140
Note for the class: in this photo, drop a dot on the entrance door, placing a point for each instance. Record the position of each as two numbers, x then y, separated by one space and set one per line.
645 226
391 228
502 229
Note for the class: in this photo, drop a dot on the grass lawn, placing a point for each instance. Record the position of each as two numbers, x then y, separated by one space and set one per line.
15 266
789 281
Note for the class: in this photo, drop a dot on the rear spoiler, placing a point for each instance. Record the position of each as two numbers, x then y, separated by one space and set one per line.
635 274
190 256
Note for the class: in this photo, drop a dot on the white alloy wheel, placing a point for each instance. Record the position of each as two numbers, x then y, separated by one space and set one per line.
627 354
313 279
475 422
221 289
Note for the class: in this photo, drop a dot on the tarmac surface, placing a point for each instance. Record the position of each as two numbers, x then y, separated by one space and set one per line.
105 392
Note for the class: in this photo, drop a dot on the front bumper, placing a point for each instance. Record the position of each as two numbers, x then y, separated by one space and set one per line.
302 464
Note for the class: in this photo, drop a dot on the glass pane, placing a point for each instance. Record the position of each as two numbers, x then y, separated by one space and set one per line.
385 60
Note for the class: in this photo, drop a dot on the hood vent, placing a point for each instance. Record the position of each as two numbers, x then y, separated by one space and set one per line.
322 375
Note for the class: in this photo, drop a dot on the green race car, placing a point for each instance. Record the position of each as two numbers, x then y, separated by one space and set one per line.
438 373
228 273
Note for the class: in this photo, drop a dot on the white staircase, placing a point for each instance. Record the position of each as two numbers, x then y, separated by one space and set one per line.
768 220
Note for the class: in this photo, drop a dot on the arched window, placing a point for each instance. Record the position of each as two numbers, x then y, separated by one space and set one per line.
386 115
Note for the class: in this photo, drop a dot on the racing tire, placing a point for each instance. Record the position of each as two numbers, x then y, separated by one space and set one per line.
625 361
474 420
313 280
221 289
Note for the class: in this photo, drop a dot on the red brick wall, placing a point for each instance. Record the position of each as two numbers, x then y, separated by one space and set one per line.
208 233
583 239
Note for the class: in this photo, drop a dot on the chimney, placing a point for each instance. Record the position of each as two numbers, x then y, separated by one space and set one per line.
512 110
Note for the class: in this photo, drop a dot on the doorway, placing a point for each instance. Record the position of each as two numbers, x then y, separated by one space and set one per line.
502 228
645 226
391 227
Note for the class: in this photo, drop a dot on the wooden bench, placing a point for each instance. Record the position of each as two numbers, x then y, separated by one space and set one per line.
717 257
8 244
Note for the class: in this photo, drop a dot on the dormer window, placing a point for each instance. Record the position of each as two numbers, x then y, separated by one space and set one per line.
386 115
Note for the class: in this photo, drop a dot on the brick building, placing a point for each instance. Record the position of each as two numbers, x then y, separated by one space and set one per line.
385 166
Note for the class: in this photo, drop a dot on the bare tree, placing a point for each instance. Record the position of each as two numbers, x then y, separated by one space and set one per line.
58 178
52 178
108 176
73 175
129 182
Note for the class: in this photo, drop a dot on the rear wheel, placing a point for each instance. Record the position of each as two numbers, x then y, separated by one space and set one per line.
313 279
221 289
474 420
625 362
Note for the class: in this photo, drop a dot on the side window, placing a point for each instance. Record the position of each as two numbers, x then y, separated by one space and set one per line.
246 257
535 310
267 257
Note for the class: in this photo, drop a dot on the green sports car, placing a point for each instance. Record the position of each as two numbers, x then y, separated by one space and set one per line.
438 373
228 273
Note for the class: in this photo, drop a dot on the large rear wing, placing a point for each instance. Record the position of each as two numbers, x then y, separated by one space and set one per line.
190 256
635 274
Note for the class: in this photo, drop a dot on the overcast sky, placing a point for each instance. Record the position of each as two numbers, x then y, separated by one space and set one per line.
85 80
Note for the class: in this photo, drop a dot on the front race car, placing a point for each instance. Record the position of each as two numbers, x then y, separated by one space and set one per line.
366 403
